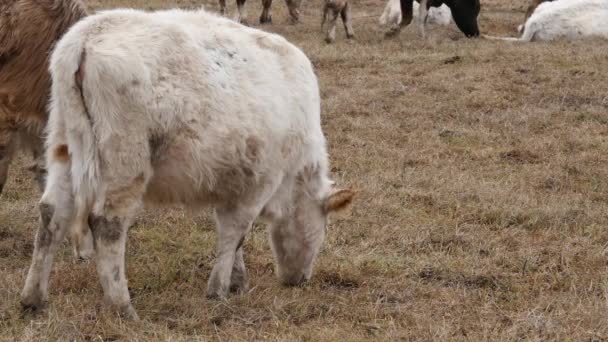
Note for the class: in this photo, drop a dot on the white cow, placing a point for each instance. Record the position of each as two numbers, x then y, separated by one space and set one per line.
183 107
391 16
565 19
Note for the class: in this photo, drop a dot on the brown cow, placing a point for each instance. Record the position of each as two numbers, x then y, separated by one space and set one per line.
28 32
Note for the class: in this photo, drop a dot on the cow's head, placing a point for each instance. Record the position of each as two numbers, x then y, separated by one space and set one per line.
298 225
465 13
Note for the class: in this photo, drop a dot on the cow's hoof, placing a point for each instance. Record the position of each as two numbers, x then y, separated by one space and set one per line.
329 40
239 288
33 303
216 295
392 32
266 19
128 312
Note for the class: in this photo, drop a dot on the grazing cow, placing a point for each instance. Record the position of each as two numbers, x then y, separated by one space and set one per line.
265 18
391 16
331 10
464 13
565 19
183 107
529 11
28 31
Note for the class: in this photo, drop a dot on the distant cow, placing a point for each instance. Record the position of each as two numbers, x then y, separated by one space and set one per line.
28 31
180 107
331 10
391 16
265 18
565 19
464 13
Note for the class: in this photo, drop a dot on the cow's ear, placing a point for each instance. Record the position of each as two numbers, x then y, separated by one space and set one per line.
338 199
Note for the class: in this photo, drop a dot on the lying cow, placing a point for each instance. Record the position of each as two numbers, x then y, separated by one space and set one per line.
464 13
28 30
565 19
198 111
265 18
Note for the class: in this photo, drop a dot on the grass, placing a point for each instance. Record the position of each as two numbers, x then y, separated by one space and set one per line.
483 194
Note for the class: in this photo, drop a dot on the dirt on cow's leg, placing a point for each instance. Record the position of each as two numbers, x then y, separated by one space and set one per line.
110 235
56 211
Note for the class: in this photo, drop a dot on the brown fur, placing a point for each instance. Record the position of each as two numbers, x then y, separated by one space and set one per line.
61 153
28 32
331 10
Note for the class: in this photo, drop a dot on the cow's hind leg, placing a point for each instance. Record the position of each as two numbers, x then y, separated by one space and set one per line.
80 233
110 233
242 14
222 7
56 211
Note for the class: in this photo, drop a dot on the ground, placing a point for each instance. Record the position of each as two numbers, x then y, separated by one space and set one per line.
481 210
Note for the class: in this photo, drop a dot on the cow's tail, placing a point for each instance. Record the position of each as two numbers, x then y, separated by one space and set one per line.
71 127
508 39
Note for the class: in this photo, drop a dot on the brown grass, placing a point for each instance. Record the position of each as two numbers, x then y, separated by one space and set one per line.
482 208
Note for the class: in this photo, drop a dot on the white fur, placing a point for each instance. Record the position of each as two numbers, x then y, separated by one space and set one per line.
391 16
566 19
186 108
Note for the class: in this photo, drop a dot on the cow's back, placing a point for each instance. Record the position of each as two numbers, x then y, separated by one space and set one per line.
222 105
570 19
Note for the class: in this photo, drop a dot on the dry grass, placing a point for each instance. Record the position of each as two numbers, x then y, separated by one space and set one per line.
482 212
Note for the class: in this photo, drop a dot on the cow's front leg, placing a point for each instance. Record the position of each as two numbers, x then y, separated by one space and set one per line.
330 34
222 7
110 235
294 10
422 17
6 153
80 233
347 21
238 279
266 18
232 225
242 14
56 211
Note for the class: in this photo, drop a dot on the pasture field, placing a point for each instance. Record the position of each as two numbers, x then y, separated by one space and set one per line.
482 208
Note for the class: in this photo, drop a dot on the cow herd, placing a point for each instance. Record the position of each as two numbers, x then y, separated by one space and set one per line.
189 108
